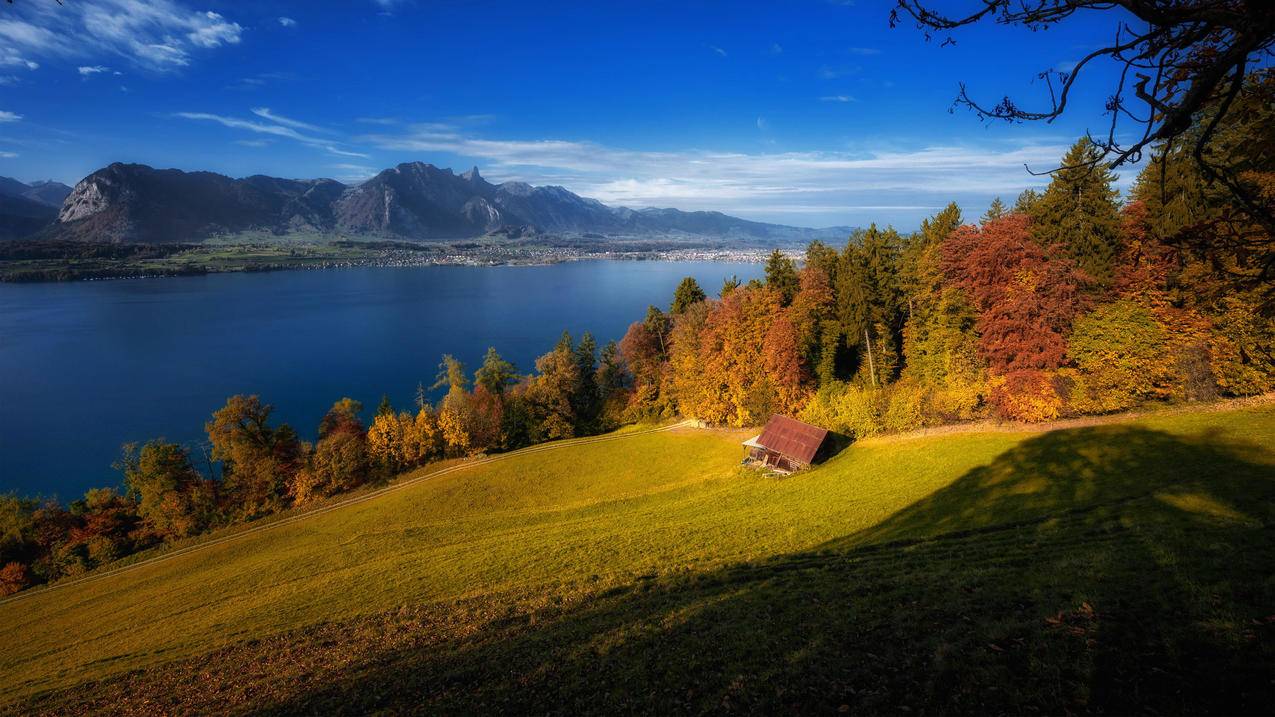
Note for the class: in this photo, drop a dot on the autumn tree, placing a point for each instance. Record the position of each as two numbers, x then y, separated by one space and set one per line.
554 391
1120 351
173 500
1025 298
257 459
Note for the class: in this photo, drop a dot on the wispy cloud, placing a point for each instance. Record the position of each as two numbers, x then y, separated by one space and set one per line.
718 50
6 116
258 143
750 184
863 51
265 113
776 48
8 155
838 98
287 22
344 153
282 126
159 35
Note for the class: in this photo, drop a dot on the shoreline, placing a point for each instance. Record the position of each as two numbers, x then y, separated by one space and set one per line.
202 260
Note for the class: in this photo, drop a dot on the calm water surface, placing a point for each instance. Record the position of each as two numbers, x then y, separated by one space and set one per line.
85 367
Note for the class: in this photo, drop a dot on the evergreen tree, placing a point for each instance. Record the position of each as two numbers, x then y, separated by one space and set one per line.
1079 212
688 292
824 258
781 275
1026 201
611 376
587 402
385 408
995 211
495 374
658 324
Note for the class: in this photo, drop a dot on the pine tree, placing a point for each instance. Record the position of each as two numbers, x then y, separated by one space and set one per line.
688 292
495 374
586 401
1026 201
385 408
995 211
781 275
1079 212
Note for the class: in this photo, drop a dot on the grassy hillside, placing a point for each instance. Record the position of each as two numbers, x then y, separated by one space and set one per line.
1106 568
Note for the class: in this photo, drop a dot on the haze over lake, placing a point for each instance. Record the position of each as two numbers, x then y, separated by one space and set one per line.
85 367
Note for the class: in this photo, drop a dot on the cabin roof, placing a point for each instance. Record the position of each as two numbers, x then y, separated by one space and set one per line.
792 438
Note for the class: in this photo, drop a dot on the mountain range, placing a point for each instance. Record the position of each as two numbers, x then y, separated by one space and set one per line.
412 201
26 208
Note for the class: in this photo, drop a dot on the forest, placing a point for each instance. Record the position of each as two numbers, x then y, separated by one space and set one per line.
1070 301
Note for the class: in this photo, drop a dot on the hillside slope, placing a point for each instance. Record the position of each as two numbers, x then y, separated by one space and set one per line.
1108 568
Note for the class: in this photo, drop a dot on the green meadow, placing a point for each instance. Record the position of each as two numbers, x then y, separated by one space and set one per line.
1112 568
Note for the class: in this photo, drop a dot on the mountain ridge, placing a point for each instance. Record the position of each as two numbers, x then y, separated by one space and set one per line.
417 201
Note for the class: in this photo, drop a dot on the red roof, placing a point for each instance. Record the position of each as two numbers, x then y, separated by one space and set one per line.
792 438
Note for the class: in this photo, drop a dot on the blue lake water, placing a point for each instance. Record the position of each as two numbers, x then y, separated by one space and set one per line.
85 367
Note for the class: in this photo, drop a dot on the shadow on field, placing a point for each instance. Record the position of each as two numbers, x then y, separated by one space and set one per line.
1107 569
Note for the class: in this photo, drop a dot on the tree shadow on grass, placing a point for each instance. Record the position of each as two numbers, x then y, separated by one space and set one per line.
1109 569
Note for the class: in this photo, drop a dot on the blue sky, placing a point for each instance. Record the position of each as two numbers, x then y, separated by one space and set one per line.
811 113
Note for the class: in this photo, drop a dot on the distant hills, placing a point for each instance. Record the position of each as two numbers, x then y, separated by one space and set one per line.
413 201
26 208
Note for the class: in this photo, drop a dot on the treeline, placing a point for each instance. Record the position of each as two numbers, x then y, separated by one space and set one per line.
169 494
1068 302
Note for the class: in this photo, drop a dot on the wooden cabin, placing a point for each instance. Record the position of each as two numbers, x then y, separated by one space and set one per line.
785 445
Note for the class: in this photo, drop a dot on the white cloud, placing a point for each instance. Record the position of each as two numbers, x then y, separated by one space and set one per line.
718 50
837 98
344 153
902 183
253 142
378 120
863 51
265 113
284 127
88 70
8 155
763 124
6 116
7 80
776 48
287 22
159 35
214 31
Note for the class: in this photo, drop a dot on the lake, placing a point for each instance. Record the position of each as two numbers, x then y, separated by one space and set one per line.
86 367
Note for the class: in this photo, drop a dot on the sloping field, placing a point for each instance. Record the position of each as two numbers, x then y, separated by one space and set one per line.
1105 568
